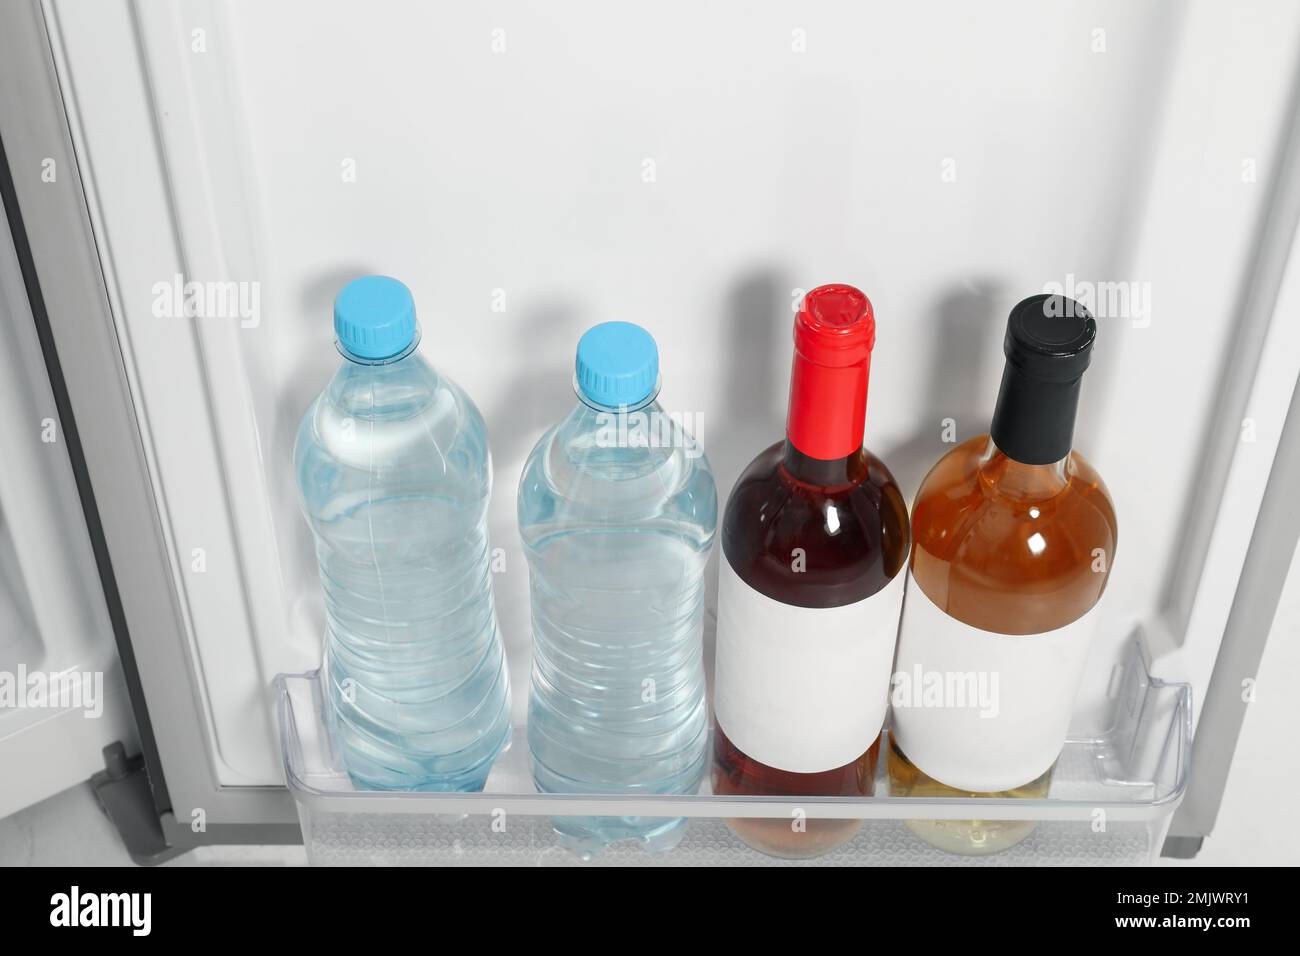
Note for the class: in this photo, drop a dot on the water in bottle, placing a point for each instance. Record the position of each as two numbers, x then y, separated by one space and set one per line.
394 472
617 510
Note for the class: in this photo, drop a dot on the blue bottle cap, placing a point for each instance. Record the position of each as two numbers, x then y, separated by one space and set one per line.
617 364
374 317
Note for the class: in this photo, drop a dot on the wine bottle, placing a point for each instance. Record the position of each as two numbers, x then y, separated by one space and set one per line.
814 539
1014 541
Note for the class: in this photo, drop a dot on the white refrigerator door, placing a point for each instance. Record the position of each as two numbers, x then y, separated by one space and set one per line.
530 171
62 698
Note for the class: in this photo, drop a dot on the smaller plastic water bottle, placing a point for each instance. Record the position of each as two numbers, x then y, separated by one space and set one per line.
617 509
394 472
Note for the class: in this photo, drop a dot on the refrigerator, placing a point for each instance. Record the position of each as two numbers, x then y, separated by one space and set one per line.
187 185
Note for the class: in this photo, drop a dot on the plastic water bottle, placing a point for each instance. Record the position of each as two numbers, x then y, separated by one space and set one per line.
617 509
394 472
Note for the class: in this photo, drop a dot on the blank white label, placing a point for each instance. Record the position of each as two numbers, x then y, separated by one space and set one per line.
982 711
802 689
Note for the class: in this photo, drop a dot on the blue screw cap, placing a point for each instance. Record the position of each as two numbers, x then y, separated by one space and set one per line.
617 364
374 317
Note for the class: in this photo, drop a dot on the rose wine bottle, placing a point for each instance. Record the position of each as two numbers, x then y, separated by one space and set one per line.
1015 537
814 540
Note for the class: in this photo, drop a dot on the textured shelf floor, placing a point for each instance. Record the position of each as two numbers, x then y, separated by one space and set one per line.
352 839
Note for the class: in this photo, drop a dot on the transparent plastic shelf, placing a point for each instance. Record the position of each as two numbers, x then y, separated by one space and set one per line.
1111 799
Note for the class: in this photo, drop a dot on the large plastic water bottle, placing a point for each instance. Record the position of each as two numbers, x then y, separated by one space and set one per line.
394 471
617 509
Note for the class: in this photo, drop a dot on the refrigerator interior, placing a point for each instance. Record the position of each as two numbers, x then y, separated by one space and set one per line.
531 171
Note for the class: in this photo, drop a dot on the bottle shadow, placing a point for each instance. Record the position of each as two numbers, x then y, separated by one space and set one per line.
966 346
539 396
755 378
755 374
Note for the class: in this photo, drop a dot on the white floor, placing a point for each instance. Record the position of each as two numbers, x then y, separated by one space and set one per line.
1254 825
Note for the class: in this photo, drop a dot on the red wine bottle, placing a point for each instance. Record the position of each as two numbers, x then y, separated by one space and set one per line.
814 540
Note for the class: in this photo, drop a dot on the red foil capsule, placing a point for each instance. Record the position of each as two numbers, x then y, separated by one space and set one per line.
834 334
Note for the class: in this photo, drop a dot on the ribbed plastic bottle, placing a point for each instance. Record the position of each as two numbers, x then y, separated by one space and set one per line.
617 509
394 474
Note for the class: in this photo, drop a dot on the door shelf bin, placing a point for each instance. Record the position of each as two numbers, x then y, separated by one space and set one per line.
1111 800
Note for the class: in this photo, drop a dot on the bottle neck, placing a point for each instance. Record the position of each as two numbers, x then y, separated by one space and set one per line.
622 442
824 473
827 412
367 391
406 352
1020 481
629 424
1033 421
